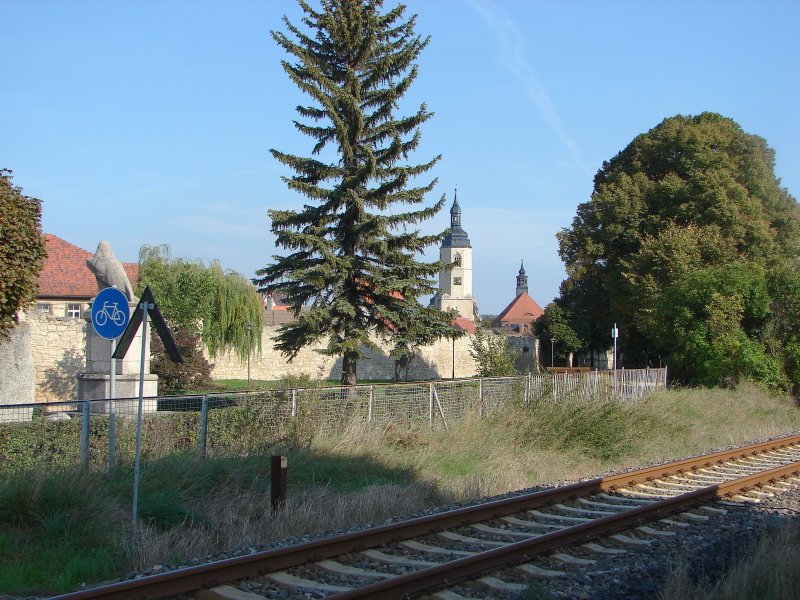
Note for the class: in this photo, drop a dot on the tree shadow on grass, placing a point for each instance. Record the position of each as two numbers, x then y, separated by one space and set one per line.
342 473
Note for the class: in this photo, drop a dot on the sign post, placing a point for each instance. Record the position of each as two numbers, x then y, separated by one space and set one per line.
147 307
110 316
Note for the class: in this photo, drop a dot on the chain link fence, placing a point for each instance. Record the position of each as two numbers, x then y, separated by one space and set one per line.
101 433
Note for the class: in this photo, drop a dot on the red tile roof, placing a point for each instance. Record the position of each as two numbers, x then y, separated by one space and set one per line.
65 274
464 324
523 310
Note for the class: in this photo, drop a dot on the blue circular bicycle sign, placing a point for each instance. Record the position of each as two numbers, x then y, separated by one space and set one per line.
110 313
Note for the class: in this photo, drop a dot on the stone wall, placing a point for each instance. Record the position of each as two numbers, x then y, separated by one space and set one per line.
17 374
434 361
58 351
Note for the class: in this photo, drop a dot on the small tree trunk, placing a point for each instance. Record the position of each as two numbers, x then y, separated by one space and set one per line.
349 364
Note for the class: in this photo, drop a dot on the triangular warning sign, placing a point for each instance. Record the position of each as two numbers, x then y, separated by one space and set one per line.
158 322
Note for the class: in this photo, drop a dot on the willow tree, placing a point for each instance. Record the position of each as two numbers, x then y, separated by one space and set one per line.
205 301
354 265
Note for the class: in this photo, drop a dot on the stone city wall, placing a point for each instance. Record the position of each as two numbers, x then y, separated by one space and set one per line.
58 351
434 361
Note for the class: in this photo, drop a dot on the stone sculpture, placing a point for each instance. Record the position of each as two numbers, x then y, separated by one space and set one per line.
108 270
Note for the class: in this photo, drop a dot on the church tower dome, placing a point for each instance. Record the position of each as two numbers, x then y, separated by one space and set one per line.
522 280
456 237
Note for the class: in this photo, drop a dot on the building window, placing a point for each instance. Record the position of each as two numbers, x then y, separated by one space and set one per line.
44 308
456 280
74 311
457 259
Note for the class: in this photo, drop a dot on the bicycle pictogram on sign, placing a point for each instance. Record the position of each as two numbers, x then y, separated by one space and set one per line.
110 313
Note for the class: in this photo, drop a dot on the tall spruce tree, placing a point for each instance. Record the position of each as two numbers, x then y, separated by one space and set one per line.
353 268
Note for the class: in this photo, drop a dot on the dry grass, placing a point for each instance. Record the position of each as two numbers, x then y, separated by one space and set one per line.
771 573
245 519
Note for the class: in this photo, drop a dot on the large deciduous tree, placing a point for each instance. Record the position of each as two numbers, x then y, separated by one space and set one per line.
682 232
22 250
353 267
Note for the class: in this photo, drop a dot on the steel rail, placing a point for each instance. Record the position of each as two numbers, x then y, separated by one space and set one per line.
512 554
190 579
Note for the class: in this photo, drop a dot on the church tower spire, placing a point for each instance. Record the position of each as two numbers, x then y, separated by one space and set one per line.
456 237
522 280
455 211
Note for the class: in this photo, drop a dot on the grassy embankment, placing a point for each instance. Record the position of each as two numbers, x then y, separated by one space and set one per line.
58 530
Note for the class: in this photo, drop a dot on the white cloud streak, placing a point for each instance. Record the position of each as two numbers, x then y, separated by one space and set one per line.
514 60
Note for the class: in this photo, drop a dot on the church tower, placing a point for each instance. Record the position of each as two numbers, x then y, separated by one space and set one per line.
522 280
455 284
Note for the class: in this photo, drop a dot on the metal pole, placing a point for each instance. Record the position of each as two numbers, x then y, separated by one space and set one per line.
85 435
112 409
144 306
371 400
249 326
552 352
430 406
527 388
454 358
203 426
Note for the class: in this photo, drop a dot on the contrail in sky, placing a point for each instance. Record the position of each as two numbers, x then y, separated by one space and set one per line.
515 61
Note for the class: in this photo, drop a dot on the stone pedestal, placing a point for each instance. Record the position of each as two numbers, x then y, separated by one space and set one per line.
17 374
95 382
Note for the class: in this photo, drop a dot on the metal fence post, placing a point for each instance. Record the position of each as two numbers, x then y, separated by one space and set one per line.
294 403
371 400
85 434
527 389
480 396
430 406
203 426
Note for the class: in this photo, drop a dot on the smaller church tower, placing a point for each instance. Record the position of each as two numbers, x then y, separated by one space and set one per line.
522 280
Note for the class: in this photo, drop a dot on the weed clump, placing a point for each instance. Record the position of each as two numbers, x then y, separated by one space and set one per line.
605 430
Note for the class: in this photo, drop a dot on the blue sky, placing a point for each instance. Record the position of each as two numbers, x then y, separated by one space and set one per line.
150 122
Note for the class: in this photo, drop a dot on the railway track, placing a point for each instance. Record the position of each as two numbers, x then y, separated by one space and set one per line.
456 554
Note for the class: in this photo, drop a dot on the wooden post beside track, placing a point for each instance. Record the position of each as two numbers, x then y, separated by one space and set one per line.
278 481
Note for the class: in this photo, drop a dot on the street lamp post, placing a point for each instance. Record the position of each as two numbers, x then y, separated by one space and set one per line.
552 352
249 326
615 335
454 358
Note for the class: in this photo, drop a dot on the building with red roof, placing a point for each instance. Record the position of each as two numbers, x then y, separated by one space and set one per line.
463 324
66 285
520 314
